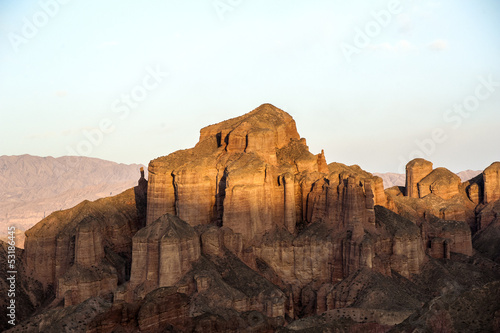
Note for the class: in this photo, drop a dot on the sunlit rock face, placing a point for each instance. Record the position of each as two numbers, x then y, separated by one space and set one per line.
416 170
254 173
255 176
248 230
491 177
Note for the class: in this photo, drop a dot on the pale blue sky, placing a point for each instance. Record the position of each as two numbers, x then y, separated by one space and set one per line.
71 73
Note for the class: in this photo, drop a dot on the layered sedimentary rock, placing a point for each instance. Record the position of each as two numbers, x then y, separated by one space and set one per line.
440 193
252 174
487 239
421 180
400 240
256 135
441 182
82 282
416 170
89 248
491 177
89 275
29 294
249 229
444 236
445 209
162 307
324 254
226 282
162 253
280 206
85 251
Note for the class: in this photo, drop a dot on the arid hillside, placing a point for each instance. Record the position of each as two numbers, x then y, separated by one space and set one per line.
32 187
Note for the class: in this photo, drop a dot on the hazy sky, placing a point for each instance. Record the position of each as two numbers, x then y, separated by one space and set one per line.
373 83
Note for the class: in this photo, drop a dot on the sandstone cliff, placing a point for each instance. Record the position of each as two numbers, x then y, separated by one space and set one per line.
491 176
248 231
162 253
416 170
252 174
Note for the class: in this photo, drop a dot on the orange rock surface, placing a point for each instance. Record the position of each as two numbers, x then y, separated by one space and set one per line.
249 230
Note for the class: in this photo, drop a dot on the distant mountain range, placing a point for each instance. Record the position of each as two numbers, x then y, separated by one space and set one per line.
32 187
397 179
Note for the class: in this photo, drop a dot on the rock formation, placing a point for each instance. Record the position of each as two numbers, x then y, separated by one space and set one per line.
260 171
440 182
422 180
83 252
443 237
491 177
416 170
487 239
162 253
249 231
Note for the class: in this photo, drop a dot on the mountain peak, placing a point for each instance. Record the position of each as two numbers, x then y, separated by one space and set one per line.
268 108
266 124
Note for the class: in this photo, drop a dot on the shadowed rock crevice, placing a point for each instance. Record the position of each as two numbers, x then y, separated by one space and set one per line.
219 199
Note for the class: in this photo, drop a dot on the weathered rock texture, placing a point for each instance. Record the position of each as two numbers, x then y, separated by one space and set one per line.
254 173
85 251
162 253
491 177
487 239
441 182
476 310
443 237
248 230
443 195
29 294
416 170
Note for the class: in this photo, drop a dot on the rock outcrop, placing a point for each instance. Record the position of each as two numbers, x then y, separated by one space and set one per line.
252 174
422 180
491 177
416 170
86 251
162 253
487 239
29 294
441 182
248 231
443 237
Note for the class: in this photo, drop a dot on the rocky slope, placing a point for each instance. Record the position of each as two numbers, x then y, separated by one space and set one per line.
32 187
250 232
